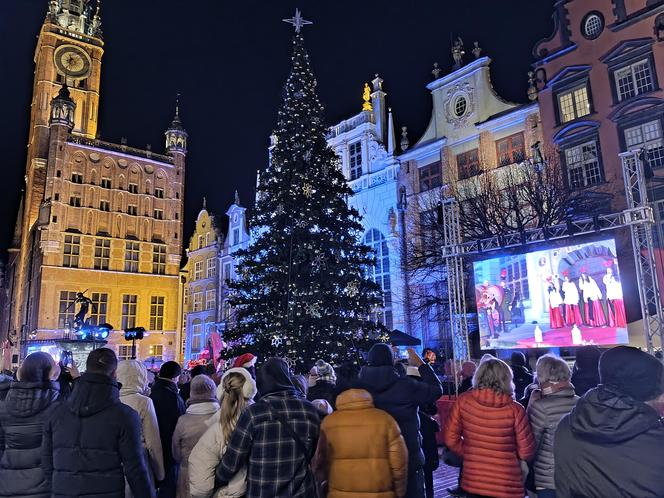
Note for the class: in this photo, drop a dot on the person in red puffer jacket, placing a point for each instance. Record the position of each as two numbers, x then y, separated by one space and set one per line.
491 432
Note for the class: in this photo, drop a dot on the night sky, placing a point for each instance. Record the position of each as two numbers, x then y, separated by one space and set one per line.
230 59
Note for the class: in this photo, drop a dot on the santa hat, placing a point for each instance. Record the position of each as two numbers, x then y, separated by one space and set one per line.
249 389
245 360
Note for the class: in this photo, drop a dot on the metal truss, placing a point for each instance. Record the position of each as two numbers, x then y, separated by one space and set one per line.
456 290
643 247
638 217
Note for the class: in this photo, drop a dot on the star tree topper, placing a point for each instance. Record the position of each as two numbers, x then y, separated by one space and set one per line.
297 21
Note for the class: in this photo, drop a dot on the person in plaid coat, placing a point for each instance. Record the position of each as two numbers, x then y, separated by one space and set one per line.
276 438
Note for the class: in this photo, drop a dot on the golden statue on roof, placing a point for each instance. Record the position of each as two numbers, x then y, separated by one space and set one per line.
366 96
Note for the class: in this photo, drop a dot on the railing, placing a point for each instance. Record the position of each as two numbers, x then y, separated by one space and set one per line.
125 149
349 124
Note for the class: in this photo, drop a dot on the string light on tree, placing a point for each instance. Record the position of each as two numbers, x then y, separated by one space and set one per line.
307 249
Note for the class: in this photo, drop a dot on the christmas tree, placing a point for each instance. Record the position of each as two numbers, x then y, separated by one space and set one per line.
302 291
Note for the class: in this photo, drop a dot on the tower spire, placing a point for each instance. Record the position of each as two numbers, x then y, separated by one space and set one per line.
176 135
391 139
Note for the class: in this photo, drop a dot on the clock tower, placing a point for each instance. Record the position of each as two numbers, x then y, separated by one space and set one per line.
69 52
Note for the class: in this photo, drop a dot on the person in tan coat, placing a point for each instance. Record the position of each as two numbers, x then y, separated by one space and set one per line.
202 408
361 453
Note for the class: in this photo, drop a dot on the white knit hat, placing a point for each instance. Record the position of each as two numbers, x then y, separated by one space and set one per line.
249 389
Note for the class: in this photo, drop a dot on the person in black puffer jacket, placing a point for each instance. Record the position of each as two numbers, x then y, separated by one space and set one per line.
612 443
93 440
523 376
28 404
401 397
585 375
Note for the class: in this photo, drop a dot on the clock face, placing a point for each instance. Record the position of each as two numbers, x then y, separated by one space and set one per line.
72 62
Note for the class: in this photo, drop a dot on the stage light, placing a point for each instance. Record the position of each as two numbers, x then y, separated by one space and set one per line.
134 333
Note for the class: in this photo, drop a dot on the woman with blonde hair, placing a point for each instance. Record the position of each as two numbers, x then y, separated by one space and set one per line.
489 430
236 392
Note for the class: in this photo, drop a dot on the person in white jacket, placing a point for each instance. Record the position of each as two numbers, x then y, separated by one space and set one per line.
236 391
133 376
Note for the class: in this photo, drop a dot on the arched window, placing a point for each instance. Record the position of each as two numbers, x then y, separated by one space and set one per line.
380 273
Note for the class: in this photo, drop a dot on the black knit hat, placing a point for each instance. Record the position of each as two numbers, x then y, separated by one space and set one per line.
632 372
170 370
380 355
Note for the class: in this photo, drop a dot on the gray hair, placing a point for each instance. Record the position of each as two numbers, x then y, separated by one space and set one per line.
551 368
494 374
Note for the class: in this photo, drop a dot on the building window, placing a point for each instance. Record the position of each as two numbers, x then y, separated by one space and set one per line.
380 273
211 267
468 164
98 308
75 201
460 106
132 254
56 197
158 214
198 301
573 104
105 183
649 136
186 295
236 236
104 206
132 210
159 193
355 160
157 313
198 270
430 176
124 352
635 79
159 260
72 249
511 149
583 166
67 309
226 310
210 299
200 241
76 178
133 188
129 302
196 337
157 351
102 254
592 25
227 272
207 239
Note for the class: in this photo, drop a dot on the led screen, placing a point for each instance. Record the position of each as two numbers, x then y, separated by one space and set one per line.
565 296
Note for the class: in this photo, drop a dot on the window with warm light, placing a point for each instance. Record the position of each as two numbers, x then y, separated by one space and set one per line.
573 104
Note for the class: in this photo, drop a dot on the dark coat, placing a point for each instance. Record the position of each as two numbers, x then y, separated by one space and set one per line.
26 408
522 379
4 388
584 380
545 412
401 397
428 428
323 390
93 441
169 407
185 391
609 446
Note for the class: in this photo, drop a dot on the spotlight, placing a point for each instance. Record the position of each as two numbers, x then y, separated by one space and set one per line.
134 333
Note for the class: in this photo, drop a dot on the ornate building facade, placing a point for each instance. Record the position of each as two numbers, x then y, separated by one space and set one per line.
598 80
210 265
472 132
99 218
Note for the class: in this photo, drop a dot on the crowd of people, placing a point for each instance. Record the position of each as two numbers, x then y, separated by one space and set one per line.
260 431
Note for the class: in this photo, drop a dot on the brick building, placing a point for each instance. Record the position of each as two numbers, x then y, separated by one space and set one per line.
599 79
95 216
